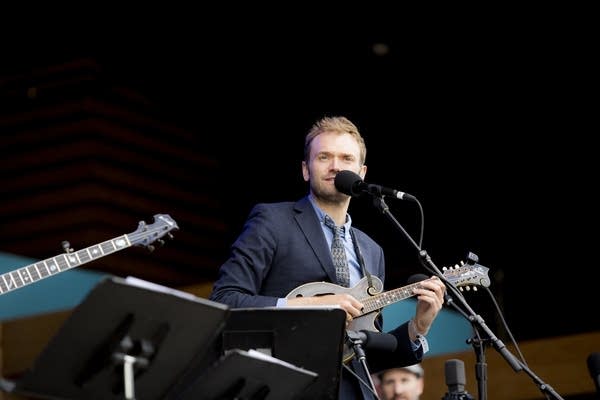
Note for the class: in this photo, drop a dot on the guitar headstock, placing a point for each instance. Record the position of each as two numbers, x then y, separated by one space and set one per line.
146 234
467 276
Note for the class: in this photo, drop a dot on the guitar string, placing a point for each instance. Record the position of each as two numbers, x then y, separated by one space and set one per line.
68 264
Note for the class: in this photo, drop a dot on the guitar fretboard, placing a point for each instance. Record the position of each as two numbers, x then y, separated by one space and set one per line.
62 262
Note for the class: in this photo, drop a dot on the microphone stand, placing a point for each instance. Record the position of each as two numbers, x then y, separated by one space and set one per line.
356 340
475 319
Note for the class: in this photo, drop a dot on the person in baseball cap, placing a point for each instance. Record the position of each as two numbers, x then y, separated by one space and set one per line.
405 383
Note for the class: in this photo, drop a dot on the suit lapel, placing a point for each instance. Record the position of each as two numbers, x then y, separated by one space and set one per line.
311 227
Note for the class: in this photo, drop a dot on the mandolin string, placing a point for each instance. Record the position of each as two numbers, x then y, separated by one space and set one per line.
383 299
380 300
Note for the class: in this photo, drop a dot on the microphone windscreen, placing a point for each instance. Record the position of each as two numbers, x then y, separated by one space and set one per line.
380 341
416 278
455 372
345 180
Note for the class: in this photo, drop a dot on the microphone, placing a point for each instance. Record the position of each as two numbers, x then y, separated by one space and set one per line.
349 183
454 371
375 340
593 363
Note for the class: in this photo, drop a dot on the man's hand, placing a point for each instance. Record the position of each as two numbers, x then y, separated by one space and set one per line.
347 302
430 298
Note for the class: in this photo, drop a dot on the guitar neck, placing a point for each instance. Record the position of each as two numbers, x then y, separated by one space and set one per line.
43 269
384 299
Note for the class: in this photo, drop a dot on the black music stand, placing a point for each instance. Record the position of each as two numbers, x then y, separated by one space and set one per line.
241 374
308 338
127 339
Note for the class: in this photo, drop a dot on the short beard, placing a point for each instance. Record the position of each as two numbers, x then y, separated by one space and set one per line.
329 198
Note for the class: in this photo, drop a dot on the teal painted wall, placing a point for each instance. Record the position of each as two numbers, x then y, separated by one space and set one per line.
448 334
67 289
58 292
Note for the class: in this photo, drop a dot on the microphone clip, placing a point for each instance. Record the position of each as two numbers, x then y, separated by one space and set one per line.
356 336
357 339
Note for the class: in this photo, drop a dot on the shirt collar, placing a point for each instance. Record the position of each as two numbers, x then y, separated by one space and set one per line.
321 214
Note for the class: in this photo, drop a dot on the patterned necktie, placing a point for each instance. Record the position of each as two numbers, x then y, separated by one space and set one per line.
338 253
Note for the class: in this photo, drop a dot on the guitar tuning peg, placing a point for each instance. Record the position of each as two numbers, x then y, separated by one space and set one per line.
468 288
461 289
150 248
66 246
456 266
169 235
474 288
444 268
161 242
462 263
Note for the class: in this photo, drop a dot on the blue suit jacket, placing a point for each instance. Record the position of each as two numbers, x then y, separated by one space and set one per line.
281 247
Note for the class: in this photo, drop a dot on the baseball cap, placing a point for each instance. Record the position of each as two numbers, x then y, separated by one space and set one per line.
415 369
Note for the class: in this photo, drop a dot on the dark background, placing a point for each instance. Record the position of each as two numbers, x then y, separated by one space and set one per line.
488 124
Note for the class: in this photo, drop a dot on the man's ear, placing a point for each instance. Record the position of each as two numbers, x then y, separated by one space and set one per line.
305 171
363 171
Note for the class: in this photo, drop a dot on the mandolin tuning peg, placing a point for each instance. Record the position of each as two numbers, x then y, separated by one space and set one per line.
472 258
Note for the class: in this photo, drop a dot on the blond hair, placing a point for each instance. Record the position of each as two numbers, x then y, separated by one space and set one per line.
334 124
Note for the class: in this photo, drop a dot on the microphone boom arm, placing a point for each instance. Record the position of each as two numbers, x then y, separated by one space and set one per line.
475 319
